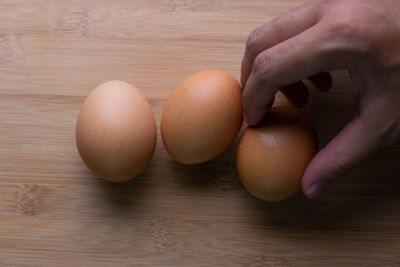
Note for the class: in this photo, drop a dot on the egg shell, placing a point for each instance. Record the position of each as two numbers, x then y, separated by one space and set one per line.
273 156
116 131
202 116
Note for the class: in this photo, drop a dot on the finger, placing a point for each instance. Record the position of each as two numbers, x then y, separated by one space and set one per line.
267 106
322 80
342 153
296 93
276 31
301 56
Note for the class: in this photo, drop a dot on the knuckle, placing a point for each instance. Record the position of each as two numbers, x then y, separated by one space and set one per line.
341 38
252 44
343 27
278 25
323 2
262 66
350 24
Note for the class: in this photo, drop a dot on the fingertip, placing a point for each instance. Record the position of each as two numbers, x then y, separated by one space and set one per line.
312 185
254 107
314 177
254 116
315 189
338 157
308 179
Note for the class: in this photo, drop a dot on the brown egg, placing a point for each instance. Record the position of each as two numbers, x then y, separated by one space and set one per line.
202 116
116 131
273 156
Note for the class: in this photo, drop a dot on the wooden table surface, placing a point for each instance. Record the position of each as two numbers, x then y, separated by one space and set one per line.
54 212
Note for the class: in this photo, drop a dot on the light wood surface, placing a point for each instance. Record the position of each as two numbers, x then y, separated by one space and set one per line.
54 212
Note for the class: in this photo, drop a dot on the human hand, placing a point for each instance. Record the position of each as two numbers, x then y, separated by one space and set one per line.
361 36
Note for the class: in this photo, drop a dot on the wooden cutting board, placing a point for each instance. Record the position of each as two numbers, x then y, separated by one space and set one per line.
54 212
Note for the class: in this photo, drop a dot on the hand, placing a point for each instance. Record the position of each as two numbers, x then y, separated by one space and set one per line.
362 36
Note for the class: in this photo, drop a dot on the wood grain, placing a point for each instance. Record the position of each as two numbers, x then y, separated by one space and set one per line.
54 212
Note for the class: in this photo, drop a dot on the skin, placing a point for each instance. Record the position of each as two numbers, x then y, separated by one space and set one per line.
361 36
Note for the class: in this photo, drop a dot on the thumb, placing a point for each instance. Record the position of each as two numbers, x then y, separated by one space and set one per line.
342 153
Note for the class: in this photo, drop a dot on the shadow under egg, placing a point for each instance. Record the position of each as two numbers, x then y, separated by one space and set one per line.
218 173
124 197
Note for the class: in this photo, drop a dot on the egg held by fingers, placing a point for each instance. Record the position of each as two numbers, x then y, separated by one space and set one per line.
272 156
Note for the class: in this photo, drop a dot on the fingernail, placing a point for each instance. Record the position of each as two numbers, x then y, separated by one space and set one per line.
316 188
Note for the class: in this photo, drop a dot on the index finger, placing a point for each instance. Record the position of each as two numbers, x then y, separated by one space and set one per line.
276 31
286 63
